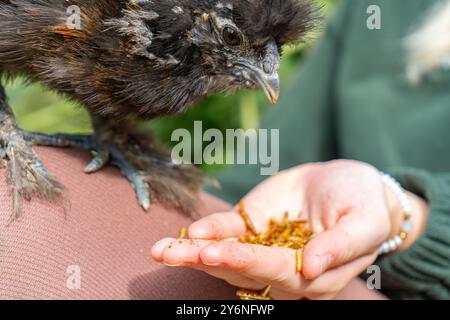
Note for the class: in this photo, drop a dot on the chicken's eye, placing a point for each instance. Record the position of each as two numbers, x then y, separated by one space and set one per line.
232 37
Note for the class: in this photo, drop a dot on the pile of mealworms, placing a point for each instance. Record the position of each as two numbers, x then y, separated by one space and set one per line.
292 234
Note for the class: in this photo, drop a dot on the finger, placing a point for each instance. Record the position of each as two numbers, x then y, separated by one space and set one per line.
177 253
158 248
183 252
273 266
241 282
331 283
218 226
350 239
357 290
233 278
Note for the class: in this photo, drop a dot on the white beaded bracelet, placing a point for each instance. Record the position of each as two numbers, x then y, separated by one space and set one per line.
407 226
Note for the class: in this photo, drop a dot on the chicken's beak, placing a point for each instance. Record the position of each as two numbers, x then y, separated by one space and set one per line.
270 86
265 72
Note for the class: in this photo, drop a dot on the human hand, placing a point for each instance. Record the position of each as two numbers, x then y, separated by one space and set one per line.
347 206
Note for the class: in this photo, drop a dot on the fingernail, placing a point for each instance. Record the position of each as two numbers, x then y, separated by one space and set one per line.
172 265
211 264
325 263
197 233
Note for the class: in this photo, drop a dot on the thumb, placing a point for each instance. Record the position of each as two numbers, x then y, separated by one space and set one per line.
346 241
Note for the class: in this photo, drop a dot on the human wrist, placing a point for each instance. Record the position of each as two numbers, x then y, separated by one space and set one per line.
395 210
417 216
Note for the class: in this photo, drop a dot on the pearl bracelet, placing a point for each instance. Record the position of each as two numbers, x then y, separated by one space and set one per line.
407 225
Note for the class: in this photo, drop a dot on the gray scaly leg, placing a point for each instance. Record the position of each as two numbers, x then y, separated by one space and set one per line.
28 176
149 170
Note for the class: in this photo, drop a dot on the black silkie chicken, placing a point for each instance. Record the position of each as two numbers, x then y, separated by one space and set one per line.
136 60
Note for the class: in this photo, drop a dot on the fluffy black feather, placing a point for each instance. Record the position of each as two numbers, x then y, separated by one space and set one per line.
287 21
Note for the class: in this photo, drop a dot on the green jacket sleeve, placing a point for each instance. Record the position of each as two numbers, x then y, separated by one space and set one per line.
423 271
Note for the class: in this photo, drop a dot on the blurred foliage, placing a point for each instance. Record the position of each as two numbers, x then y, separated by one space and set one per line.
39 109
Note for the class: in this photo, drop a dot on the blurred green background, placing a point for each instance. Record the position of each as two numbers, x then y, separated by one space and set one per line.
39 109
